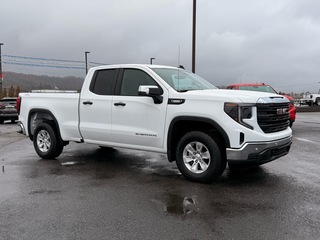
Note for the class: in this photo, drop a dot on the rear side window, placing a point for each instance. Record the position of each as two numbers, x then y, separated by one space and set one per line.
103 82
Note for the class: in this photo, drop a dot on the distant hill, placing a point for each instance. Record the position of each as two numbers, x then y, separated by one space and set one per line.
28 82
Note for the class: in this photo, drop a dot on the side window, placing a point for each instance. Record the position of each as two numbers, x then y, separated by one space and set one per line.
132 79
103 82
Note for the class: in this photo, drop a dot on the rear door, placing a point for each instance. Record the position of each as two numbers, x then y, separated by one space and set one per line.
96 107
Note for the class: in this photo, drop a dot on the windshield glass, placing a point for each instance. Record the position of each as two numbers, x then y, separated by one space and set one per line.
183 81
264 88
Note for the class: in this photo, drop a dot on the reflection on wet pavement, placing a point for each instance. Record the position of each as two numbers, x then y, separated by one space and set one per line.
176 204
72 163
42 191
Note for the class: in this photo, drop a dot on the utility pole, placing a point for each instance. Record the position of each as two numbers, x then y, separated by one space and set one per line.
1 74
194 36
86 60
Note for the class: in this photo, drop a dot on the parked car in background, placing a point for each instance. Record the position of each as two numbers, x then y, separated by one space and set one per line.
261 87
8 109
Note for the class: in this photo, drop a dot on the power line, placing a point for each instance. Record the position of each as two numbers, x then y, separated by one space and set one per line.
299 85
46 62
46 59
43 65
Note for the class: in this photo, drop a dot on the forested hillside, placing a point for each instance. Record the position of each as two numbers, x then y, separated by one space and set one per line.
27 82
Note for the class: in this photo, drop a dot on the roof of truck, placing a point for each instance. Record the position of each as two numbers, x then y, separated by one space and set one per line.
249 84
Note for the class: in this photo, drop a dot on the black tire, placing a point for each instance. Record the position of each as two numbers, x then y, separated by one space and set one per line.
46 141
199 157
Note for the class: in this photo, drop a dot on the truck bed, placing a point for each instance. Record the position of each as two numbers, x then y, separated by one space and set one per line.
61 104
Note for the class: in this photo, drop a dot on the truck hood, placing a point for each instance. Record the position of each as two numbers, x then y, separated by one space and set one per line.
231 95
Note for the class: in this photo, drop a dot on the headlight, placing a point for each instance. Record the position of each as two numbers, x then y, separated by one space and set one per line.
239 112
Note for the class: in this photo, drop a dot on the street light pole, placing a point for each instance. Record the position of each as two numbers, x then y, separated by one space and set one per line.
194 36
1 75
151 60
86 60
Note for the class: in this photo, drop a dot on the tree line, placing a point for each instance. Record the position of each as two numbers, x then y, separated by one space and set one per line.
12 91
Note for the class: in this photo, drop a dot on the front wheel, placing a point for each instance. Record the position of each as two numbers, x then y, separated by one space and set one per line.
199 157
46 142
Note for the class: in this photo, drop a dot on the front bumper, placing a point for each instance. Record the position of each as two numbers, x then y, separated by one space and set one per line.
259 152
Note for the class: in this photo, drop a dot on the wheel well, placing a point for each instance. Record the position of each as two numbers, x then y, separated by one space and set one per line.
38 116
180 127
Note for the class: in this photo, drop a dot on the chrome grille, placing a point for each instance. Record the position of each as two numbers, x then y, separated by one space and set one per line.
273 117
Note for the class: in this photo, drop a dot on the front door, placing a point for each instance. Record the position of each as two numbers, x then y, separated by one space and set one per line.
137 120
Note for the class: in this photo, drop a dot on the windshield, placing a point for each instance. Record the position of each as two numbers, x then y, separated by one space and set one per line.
262 88
183 81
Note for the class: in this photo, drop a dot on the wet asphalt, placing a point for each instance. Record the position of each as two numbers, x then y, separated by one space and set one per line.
94 193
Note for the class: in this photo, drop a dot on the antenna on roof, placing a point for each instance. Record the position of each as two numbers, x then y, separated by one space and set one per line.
180 66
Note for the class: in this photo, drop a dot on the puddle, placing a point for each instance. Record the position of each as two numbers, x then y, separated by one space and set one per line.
175 204
72 163
152 160
42 191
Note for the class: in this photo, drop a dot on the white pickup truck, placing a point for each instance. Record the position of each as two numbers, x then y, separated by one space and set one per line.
312 99
161 109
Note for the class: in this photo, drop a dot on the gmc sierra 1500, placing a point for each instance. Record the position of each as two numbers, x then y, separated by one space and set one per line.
162 109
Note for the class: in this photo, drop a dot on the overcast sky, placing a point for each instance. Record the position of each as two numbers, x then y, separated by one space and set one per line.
271 41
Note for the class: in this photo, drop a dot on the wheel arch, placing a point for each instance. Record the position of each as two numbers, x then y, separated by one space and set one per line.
37 116
183 124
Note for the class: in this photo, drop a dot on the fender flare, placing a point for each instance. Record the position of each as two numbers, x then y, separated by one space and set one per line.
44 111
209 121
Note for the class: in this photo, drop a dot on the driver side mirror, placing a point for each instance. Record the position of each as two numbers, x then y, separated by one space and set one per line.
151 91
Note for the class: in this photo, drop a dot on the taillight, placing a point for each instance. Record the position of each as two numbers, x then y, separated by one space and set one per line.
2 106
18 105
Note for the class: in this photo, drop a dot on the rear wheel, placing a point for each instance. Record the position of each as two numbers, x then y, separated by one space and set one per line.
199 157
46 141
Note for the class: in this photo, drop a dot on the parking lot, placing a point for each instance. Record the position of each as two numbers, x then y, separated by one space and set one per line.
94 193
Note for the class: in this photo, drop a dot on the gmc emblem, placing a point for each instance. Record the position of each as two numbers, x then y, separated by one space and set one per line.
282 111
